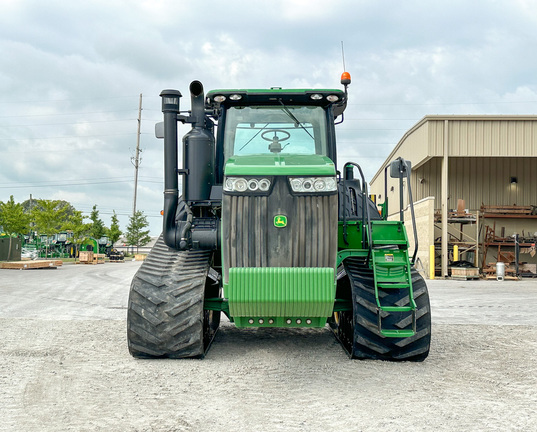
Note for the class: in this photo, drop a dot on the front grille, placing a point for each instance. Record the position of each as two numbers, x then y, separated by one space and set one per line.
250 238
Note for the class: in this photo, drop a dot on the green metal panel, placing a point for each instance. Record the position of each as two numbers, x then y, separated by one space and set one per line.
289 164
312 322
296 292
388 233
354 235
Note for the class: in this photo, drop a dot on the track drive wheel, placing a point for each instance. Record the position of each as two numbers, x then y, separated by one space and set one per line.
165 316
358 330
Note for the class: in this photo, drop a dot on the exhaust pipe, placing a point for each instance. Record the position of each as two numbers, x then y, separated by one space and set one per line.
198 150
170 109
197 101
199 166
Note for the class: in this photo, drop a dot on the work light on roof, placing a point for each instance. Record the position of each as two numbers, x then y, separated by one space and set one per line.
332 98
235 97
316 96
219 98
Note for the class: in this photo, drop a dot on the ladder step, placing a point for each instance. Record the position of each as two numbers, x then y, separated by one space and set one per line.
387 285
390 264
389 242
397 333
396 308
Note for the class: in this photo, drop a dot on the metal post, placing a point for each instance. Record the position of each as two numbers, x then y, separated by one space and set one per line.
136 161
445 202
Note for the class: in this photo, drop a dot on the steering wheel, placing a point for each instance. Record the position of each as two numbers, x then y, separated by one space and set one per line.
275 138
275 142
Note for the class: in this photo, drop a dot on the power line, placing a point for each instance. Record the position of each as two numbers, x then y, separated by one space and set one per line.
440 103
70 137
66 114
72 124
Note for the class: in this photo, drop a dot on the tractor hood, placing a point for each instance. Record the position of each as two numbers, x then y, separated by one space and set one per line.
287 164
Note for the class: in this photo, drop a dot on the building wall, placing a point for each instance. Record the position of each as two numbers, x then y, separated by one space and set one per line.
483 154
508 136
492 137
424 214
478 180
471 136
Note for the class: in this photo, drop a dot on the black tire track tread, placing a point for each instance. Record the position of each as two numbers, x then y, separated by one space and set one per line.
165 311
368 343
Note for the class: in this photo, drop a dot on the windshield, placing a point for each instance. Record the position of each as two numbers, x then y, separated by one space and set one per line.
275 130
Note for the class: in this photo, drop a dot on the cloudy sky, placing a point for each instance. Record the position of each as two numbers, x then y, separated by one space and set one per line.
71 74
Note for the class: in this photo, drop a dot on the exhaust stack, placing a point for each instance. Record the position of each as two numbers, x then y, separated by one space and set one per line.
170 110
198 151
198 171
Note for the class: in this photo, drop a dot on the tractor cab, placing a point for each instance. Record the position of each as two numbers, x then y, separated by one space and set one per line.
276 123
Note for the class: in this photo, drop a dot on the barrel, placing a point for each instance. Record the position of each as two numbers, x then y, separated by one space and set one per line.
500 271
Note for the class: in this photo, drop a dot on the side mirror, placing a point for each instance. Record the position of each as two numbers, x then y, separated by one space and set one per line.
159 130
400 168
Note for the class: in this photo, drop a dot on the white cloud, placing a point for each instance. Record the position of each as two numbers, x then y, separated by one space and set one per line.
71 73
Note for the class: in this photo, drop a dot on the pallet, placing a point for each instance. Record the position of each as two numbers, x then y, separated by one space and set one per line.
463 273
28 265
493 277
88 257
458 277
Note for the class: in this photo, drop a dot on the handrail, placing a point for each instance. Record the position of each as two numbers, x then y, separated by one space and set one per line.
403 172
411 202
365 208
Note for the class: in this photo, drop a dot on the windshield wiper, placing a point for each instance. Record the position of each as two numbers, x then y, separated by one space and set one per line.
251 139
297 122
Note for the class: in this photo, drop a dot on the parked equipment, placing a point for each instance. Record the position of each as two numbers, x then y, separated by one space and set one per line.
268 232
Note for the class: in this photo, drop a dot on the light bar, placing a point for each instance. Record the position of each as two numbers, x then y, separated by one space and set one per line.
239 184
313 184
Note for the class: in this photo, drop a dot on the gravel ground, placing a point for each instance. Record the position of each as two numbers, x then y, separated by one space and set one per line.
65 366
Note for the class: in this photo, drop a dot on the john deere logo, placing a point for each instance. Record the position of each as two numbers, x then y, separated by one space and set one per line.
280 221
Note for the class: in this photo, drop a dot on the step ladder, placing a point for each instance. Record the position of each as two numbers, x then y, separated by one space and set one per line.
391 270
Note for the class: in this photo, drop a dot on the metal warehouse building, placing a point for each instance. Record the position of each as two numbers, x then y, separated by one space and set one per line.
474 182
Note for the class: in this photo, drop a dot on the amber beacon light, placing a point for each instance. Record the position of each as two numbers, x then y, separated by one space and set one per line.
345 78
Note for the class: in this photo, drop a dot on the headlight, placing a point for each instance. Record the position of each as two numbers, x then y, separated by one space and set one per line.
264 185
238 184
313 184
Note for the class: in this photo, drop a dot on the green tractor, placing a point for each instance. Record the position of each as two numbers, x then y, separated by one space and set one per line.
268 232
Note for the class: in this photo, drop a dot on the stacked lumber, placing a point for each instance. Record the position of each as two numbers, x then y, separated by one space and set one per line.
27 265
508 210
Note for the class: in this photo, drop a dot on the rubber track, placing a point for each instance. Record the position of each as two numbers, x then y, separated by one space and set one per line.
165 312
367 341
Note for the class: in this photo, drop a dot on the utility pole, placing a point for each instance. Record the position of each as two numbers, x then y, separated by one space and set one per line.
136 159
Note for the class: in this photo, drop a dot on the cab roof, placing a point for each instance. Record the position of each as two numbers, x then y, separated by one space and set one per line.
275 96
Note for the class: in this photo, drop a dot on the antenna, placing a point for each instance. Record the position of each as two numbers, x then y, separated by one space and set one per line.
343 56
345 76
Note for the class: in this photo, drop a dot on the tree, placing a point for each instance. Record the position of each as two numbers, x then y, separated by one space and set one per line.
136 234
30 204
97 226
13 219
78 228
50 217
114 232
